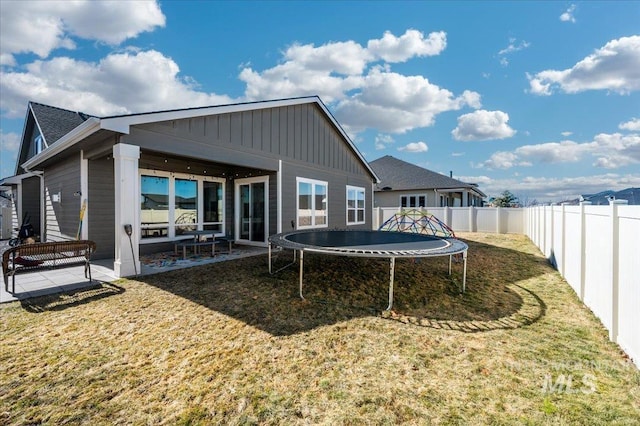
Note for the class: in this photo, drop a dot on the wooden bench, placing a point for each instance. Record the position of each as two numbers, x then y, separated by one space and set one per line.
52 255
195 246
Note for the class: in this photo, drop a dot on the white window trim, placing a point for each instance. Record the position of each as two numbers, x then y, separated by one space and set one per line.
171 213
313 182
356 209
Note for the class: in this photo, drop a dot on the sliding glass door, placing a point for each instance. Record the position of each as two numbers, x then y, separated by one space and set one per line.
252 199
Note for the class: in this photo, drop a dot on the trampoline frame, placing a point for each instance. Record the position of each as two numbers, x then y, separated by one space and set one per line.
453 247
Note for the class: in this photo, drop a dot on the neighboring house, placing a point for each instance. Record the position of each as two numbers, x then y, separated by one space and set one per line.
245 170
405 185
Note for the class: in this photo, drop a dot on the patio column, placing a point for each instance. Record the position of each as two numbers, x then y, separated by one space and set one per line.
127 209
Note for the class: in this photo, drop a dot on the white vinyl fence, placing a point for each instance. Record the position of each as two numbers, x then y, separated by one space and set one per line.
467 219
597 250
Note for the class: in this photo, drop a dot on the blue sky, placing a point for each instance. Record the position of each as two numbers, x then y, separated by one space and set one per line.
539 98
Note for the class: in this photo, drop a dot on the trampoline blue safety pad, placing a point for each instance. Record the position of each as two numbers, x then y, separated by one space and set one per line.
364 243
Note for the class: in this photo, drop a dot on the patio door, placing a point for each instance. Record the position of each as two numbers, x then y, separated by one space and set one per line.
252 210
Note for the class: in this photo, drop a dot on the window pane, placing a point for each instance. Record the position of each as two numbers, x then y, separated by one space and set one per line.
412 201
403 201
212 197
421 202
320 204
154 206
360 215
186 205
361 199
304 204
351 216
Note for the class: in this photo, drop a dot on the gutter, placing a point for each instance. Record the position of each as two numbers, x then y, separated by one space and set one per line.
84 130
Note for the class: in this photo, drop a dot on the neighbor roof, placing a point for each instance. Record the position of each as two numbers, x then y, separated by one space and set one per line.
398 175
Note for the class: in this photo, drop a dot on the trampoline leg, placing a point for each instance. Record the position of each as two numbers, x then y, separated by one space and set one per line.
450 260
392 264
269 258
301 271
464 272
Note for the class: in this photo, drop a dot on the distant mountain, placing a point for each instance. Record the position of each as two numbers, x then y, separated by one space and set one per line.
632 195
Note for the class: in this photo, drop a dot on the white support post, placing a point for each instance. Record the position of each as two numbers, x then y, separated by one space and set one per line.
127 209
498 218
583 254
615 271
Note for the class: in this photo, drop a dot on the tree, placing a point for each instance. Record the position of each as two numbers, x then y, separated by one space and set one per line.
506 199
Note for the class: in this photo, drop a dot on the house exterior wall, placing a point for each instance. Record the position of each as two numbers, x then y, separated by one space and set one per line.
301 136
336 192
392 198
61 217
100 207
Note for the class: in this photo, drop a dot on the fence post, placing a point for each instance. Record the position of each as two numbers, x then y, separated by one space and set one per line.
471 219
498 214
583 249
447 216
615 272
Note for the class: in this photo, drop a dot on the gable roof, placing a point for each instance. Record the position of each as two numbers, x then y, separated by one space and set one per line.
122 124
398 175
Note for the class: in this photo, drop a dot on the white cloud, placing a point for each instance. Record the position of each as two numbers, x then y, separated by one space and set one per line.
120 83
553 189
9 145
483 125
365 93
382 140
414 147
566 134
567 16
610 151
457 154
39 27
396 103
632 125
614 67
412 43
514 46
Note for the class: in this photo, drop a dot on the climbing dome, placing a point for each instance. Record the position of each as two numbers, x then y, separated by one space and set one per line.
418 222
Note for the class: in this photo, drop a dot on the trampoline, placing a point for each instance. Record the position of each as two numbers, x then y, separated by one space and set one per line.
376 244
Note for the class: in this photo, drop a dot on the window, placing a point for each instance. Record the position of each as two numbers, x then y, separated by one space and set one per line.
154 206
172 204
413 201
312 203
355 205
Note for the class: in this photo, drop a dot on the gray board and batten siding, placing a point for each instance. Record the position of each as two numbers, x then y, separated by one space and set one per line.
62 216
101 218
300 135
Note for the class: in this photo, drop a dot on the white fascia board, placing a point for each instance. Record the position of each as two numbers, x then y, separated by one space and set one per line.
84 130
123 123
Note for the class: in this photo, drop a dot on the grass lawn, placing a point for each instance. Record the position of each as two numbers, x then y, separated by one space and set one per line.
227 343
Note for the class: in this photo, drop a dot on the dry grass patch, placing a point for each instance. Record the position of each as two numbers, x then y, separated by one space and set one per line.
227 343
